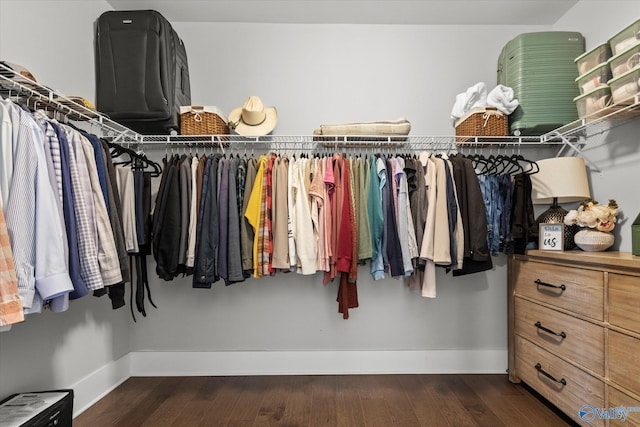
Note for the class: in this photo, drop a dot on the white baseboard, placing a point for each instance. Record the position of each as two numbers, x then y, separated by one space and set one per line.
153 363
96 385
185 363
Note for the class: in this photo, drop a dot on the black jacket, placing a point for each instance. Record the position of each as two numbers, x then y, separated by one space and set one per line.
166 222
474 218
206 272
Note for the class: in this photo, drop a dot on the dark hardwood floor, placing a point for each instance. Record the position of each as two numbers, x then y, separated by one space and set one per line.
327 400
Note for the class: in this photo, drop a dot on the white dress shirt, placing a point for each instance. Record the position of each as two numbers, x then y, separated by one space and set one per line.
193 215
51 146
6 155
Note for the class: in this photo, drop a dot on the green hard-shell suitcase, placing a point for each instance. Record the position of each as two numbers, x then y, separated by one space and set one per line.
540 69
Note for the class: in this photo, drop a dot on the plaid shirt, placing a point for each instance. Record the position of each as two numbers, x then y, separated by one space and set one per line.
269 197
83 207
263 226
10 306
107 252
255 213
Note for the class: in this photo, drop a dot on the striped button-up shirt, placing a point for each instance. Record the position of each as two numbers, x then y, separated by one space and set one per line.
52 144
30 217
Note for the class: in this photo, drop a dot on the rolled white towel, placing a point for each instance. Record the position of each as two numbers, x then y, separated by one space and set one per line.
501 97
475 96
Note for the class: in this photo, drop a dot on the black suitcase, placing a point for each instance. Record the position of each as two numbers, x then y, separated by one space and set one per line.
142 76
38 409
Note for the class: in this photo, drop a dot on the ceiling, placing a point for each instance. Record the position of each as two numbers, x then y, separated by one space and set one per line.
421 12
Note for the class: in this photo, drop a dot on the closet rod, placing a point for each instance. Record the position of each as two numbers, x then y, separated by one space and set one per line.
14 85
314 142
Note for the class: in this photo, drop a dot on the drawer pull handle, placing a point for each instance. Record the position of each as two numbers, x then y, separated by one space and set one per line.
538 325
548 375
549 285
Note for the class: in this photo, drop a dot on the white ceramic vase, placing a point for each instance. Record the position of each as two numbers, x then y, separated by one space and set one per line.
592 240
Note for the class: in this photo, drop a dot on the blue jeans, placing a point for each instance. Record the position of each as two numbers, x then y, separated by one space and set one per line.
490 187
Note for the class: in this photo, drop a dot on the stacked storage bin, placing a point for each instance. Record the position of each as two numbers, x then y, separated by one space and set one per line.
625 65
539 68
595 72
610 73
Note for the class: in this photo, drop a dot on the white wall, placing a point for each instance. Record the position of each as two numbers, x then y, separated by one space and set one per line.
54 40
615 153
318 74
313 74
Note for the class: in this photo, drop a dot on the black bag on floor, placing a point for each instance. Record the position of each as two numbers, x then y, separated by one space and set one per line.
38 409
142 76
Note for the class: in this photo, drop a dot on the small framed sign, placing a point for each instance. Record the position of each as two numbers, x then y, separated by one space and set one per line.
551 237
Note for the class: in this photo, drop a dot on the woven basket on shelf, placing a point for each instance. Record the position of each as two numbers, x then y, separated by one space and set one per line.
199 120
486 121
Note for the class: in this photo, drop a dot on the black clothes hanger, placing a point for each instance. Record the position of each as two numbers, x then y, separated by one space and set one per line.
479 162
499 164
530 167
138 160
512 166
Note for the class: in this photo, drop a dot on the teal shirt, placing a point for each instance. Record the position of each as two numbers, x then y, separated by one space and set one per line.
376 221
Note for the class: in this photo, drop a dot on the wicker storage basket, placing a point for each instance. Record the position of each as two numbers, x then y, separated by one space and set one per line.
486 121
199 120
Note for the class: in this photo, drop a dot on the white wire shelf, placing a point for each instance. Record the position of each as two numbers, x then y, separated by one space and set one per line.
374 142
17 87
607 118
578 134
572 136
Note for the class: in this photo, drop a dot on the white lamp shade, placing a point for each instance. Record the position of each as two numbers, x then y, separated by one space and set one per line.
561 177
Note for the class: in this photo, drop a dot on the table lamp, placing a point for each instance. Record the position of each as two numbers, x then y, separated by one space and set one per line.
560 180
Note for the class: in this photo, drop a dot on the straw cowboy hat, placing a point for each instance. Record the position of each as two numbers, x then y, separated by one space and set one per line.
253 119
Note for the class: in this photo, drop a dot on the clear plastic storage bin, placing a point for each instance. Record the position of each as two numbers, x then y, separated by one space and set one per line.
625 87
626 38
598 76
625 61
593 101
593 58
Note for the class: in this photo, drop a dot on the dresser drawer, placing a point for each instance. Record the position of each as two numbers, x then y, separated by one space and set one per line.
583 342
570 288
632 406
624 360
624 301
579 388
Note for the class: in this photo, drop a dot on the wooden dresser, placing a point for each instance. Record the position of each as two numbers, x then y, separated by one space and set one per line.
574 331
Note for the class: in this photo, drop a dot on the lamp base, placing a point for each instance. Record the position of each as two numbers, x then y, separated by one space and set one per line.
556 214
